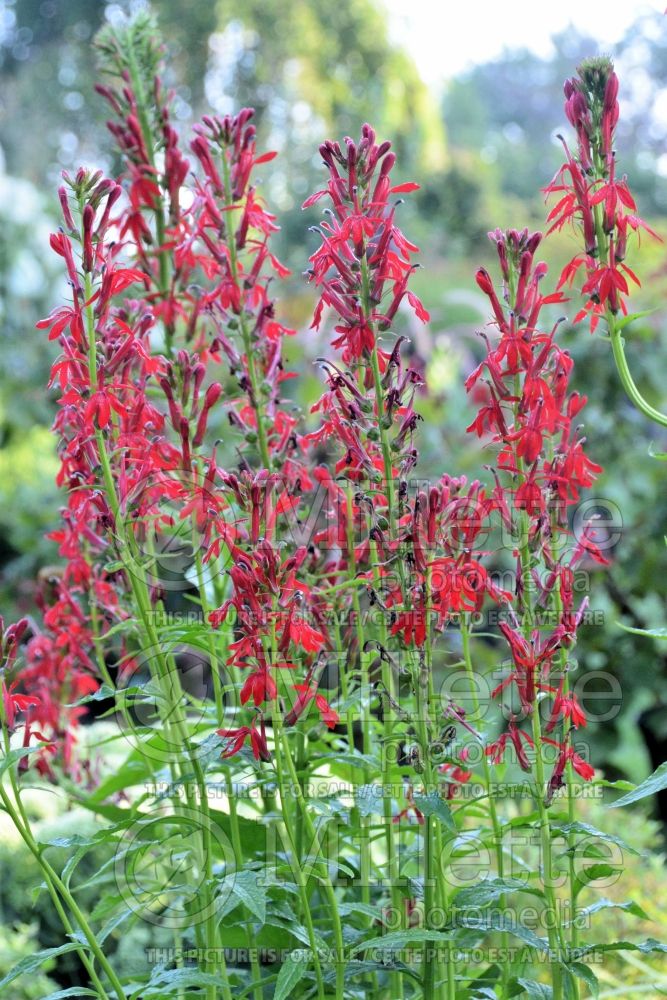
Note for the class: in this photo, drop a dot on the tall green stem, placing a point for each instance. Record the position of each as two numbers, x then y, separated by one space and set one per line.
554 930
237 845
325 878
493 812
57 887
617 344
297 870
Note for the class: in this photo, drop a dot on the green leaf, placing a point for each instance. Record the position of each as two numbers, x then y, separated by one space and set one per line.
585 973
103 692
489 891
496 922
655 783
620 783
645 947
76 840
166 982
291 972
535 990
434 805
33 962
650 633
591 873
587 830
626 320
132 772
369 800
246 889
14 756
660 455
73 991
355 967
400 939
608 904
112 924
364 909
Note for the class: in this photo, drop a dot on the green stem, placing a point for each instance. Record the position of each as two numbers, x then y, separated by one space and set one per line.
554 931
633 393
617 344
206 609
56 885
325 878
433 855
297 870
26 832
393 866
237 845
486 767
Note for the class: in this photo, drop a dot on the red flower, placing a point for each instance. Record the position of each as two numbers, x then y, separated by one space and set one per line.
306 694
260 749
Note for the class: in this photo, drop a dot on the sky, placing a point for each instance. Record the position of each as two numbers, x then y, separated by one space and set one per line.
446 36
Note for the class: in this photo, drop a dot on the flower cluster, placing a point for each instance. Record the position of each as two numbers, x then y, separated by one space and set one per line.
529 415
135 406
592 197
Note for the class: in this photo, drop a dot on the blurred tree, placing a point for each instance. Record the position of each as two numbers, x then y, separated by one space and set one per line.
328 64
510 109
50 117
328 68
455 198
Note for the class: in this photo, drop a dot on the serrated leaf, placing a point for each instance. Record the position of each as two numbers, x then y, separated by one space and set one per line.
351 909
291 972
489 891
495 922
645 947
655 783
586 829
625 786
535 990
401 939
166 982
253 896
76 840
591 873
33 962
608 904
361 967
434 805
